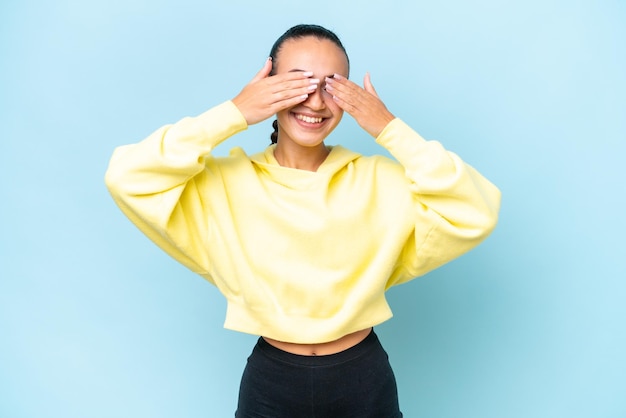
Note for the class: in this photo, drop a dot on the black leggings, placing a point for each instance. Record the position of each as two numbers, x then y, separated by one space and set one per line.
357 382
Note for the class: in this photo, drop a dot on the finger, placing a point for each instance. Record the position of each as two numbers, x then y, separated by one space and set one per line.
347 93
289 102
360 94
287 95
286 102
367 83
290 88
285 79
344 93
345 87
264 72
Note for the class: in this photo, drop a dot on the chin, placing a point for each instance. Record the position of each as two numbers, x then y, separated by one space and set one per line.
306 137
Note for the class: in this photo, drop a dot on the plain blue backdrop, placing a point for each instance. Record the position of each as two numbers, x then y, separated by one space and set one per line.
96 322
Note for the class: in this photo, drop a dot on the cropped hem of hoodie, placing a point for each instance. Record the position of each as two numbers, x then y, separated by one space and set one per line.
301 256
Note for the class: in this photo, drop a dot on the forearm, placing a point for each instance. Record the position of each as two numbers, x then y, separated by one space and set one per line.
173 154
465 200
156 182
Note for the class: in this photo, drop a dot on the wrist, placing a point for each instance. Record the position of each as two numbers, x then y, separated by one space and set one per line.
384 120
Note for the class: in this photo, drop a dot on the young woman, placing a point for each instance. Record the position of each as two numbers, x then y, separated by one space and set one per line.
303 239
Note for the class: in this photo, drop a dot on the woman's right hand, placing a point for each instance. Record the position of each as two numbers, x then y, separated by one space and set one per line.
266 95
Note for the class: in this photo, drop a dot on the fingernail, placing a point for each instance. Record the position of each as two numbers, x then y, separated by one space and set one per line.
312 87
329 87
337 76
314 80
329 80
307 73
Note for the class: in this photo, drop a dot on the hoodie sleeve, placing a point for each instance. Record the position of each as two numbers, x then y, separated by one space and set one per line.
156 182
455 207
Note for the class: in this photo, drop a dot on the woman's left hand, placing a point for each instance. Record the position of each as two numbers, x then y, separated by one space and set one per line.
362 103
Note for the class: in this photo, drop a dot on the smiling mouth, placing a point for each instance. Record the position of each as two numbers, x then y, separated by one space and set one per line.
308 119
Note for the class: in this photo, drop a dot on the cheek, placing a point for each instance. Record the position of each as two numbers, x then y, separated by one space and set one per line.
283 118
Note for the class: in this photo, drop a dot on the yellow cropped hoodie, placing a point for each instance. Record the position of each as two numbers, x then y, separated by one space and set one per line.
301 256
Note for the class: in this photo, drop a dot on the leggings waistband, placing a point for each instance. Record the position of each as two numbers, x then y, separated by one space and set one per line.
370 342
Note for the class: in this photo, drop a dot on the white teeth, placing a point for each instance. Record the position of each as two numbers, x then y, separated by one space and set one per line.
308 119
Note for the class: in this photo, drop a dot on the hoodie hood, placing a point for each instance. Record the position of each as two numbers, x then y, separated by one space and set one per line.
293 178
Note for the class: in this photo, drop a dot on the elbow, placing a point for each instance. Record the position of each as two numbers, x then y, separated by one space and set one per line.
116 181
490 225
491 214
112 181
118 172
480 220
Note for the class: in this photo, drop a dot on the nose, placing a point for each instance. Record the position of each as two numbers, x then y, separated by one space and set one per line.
315 101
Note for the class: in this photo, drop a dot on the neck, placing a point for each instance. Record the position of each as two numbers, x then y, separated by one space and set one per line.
302 158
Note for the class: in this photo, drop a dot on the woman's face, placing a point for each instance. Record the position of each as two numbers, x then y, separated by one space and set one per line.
310 122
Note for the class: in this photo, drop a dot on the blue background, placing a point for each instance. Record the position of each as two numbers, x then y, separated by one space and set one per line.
96 322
